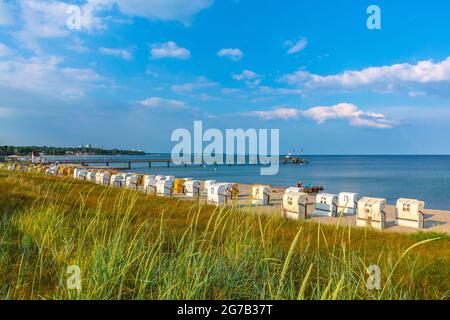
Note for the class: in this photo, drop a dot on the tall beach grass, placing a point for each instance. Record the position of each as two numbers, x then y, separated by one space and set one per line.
133 246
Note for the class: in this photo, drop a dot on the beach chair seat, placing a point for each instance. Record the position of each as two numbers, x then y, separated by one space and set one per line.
260 195
150 185
371 213
207 184
117 181
164 188
192 188
91 176
219 194
409 213
326 205
133 181
294 205
347 203
179 185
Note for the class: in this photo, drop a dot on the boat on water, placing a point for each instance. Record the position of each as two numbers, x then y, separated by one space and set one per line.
291 158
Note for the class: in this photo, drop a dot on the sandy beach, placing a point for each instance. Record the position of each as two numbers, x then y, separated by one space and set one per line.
435 220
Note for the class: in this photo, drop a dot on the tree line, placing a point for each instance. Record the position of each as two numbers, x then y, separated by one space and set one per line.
60 151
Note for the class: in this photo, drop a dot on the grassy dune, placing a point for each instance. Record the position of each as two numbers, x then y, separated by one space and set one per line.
132 246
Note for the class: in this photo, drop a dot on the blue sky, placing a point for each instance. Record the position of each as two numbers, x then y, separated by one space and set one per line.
136 70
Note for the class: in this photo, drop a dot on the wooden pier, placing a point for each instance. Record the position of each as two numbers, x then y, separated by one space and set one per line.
129 162
108 162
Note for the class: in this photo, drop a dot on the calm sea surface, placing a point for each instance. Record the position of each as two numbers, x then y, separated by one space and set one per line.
390 177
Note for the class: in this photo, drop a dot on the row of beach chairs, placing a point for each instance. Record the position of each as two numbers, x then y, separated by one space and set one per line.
369 212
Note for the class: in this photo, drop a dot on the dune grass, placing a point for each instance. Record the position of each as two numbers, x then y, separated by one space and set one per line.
133 246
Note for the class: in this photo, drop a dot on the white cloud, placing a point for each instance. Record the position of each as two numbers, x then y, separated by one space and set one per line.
86 75
121 53
6 14
377 123
321 114
169 50
205 97
154 102
284 113
232 54
44 19
295 47
175 10
246 75
5 51
91 11
39 19
251 79
299 77
77 45
48 19
282 91
200 83
339 111
410 77
46 75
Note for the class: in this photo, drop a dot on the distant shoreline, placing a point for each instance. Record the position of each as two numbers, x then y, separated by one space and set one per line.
49 151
